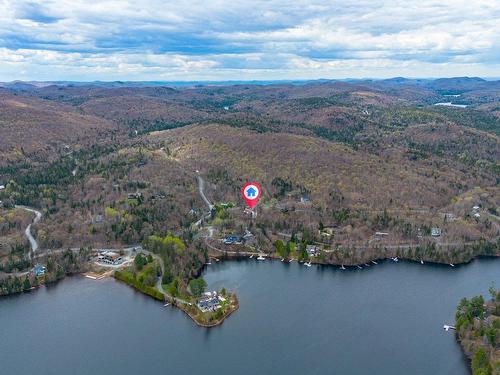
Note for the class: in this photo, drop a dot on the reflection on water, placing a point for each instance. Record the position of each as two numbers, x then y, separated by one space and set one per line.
384 319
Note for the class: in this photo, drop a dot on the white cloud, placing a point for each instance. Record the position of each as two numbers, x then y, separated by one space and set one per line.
77 39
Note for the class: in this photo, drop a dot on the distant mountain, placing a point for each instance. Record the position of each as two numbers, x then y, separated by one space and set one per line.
35 129
458 84
18 85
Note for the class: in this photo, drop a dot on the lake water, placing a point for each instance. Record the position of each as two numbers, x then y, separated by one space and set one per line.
450 104
385 319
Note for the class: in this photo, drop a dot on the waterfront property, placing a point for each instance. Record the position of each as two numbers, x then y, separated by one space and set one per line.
312 250
110 257
233 240
210 301
38 270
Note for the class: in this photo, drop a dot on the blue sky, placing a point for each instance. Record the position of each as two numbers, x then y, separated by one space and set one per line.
246 40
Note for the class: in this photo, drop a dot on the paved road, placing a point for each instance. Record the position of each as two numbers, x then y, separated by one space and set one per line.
27 232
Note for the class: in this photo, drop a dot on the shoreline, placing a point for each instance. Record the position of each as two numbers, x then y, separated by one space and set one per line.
274 257
164 297
235 306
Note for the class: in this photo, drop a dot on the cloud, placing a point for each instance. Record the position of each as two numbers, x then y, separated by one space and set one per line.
274 39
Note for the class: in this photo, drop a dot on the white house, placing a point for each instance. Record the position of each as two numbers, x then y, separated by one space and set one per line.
312 250
435 232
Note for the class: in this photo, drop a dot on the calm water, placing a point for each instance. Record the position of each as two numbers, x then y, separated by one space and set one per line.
293 320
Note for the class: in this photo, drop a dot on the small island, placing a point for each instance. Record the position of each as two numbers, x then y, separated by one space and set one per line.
478 332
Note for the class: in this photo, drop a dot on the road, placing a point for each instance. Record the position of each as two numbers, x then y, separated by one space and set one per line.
27 232
201 185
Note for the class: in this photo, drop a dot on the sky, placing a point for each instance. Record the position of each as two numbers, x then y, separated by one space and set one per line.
153 40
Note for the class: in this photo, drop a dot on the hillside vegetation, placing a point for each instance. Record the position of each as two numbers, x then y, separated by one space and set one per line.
362 169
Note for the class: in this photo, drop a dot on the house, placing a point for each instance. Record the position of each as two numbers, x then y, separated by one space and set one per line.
449 217
435 232
305 199
475 208
209 302
157 195
327 231
312 250
247 235
477 214
134 196
233 239
98 218
2 187
38 270
109 257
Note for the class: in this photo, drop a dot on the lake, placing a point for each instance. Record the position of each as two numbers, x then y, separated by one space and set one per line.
450 104
385 319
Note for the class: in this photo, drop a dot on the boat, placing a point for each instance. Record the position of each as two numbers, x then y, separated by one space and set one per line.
367 265
251 256
209 263
307 264
165 305
395 259
359 267
342 268
374 262
421 261
282 259
260 257
451 264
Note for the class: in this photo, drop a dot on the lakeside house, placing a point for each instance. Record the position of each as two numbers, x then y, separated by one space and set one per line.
110 257
2 187
210 301
313 250
38 270
233 239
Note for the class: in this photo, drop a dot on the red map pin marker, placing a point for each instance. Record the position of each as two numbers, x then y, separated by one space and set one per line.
251 193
